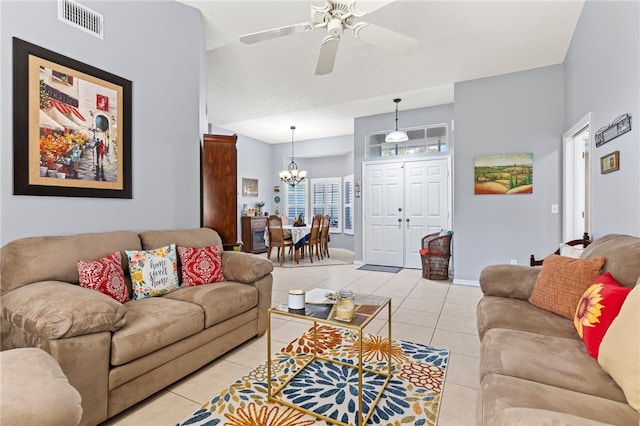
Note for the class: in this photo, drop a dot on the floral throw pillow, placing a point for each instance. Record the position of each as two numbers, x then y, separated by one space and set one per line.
597 309
104 275
153 272
201 265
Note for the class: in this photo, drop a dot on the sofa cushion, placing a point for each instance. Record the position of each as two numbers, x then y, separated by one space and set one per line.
502 312
562 282
198 237
57 256
555 361
518 416
597 308
500 393
201 265
154 323
245 267
623 256
219 301
153 272
35 391
105 275
513 281
55 310
620 348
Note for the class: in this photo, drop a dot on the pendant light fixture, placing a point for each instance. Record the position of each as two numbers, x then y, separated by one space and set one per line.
396 135
292 176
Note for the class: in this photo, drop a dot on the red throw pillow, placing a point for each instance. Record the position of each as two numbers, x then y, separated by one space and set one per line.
105 275
201 265
597 309
424 252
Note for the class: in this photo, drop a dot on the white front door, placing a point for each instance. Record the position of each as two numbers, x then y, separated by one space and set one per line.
383 205
403 202
426 204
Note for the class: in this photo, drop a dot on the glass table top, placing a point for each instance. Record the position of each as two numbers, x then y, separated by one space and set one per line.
323 309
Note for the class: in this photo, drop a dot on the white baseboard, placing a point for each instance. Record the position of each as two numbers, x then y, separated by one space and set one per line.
466 282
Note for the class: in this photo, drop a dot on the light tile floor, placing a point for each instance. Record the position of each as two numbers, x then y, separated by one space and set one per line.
436 313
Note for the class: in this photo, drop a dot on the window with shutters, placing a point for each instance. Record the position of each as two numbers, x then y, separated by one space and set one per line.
326 195
348 204
296 201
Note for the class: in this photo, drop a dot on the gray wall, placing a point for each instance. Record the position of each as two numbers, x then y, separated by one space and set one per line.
385 122
167 74
513 113
602 76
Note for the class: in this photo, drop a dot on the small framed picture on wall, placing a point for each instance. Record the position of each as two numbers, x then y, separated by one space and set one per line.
610 163
249 187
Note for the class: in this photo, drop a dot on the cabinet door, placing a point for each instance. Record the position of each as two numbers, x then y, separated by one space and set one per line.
219 186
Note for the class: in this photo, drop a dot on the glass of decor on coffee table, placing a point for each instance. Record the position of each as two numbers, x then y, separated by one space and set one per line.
324 306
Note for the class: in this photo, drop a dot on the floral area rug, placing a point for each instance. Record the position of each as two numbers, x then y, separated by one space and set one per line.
412 397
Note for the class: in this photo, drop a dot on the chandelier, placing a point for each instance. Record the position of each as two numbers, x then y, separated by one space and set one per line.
292 176
396 135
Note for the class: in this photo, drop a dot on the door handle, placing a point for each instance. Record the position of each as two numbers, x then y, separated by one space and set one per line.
399 219
407 219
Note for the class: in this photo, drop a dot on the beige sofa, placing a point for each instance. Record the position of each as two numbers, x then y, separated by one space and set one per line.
117 354
534 369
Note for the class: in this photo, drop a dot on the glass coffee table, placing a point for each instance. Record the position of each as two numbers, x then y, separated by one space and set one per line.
367 307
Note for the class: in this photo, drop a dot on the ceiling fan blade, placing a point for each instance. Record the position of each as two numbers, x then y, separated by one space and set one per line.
384 38
327 57
361 8
276 32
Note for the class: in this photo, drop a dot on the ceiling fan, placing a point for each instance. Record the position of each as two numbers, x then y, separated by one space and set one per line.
337 16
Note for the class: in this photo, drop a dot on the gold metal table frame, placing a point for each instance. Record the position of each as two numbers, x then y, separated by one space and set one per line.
359 327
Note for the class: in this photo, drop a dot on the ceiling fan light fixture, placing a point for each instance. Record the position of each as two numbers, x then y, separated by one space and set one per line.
396 135
292 176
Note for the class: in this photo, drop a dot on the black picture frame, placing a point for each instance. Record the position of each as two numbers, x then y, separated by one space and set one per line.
45 83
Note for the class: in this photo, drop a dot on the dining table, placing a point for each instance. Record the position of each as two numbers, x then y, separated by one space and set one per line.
299 235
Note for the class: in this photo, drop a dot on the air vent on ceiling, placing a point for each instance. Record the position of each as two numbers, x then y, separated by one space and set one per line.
80 17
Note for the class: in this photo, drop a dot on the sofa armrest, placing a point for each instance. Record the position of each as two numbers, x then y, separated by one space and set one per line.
55 310
514 281
244 267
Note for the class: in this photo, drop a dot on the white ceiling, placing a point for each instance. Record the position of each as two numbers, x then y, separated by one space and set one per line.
259 90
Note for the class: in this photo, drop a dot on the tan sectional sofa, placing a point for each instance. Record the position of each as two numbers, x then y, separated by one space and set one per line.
117 354
534 369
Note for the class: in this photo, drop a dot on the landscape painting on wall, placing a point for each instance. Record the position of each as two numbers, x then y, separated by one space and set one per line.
504 174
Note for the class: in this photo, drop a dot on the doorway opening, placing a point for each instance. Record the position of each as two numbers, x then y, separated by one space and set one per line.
576 180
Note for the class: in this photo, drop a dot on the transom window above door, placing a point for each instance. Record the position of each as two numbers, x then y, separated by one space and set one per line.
422 140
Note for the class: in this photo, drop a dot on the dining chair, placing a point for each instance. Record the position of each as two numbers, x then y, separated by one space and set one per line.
277 239
313 240
324 236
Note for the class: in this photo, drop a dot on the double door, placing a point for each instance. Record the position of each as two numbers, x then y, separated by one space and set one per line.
403 202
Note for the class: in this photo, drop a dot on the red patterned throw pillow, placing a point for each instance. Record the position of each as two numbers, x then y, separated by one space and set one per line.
201 265
597 309
105 275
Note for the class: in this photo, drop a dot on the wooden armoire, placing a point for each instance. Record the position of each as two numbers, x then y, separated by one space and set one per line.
219 187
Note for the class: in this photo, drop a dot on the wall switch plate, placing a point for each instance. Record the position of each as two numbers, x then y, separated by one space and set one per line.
514 262
554 208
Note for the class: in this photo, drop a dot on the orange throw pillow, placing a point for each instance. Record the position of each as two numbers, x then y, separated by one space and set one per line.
597 309
562 282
